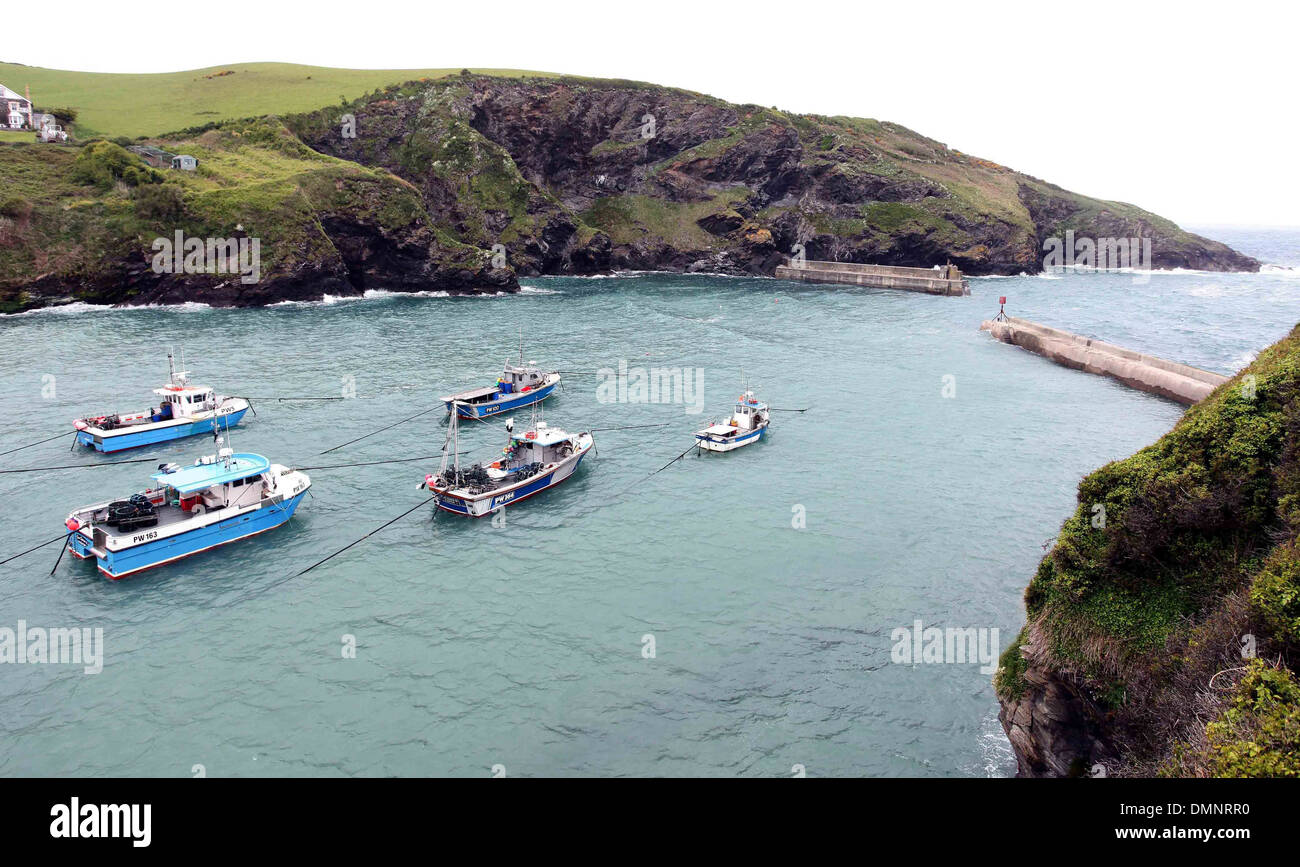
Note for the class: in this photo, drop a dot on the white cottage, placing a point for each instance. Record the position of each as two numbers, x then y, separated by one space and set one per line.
185 162
17 109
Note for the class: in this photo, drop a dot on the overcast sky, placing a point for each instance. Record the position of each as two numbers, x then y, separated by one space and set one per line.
1185 109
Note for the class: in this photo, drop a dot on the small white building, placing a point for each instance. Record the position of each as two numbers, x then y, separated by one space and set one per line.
17 110
185 162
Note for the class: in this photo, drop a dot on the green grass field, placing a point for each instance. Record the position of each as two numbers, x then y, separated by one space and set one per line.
116 104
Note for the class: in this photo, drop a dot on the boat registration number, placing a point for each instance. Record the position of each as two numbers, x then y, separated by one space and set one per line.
504 498
144 537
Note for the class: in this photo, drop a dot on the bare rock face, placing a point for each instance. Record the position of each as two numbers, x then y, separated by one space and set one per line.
1054 729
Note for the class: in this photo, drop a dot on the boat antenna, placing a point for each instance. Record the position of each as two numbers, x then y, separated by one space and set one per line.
223 440
521 346
454 436
171 367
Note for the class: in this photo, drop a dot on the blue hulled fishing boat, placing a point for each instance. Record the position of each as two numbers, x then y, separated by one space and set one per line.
518 386
531 461
747 424
220 499
185 410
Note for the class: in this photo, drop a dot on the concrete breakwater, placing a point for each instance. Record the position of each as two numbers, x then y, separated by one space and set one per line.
1180 382
935 281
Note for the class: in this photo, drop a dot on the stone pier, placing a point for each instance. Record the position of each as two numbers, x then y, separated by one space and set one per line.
1179 382
934 281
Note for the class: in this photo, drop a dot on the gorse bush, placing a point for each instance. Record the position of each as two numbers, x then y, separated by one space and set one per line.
1259 734
103 163
162 203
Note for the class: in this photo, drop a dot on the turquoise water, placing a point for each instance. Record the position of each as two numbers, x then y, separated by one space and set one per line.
522 645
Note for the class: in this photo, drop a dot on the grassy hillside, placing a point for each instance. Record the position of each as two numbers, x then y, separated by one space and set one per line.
116 104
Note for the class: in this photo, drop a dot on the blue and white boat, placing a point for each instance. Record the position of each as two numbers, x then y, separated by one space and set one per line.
531 461
220 499
185 410
747 424
518 386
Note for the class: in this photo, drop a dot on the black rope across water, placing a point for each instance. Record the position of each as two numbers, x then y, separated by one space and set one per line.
382 429
38 442
363 538
37 548
83 466
255 397
658 471
372 463
627 427
779 409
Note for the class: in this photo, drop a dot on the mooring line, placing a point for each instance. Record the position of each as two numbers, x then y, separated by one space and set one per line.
372 463
83 466
382 429
628 427
363 538
37 548
38 442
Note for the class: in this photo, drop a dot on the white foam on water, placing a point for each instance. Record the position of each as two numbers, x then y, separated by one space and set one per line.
77 307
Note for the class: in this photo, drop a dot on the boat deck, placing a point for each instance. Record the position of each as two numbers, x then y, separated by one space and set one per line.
167 516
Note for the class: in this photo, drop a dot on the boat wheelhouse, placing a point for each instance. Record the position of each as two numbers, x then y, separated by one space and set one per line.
220 499
747 424
184 410
518 386
531 461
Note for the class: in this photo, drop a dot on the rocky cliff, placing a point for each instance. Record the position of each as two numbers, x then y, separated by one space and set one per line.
577 175
1163 626
462 183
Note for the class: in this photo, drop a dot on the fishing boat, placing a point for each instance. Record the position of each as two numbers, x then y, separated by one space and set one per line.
747 424
531 461
185 410
518 386
221 498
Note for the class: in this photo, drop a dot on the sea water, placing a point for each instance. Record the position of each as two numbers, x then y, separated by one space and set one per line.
734 614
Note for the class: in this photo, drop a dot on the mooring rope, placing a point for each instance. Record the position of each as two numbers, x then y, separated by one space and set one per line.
37 548
83 466
627 427
363 538
382 429
38 442
372 463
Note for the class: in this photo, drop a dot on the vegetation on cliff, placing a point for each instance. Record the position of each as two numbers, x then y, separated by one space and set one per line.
80 223
428 184
1169 608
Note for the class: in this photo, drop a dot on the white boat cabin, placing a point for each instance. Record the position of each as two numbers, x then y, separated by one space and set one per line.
185 401
514 379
